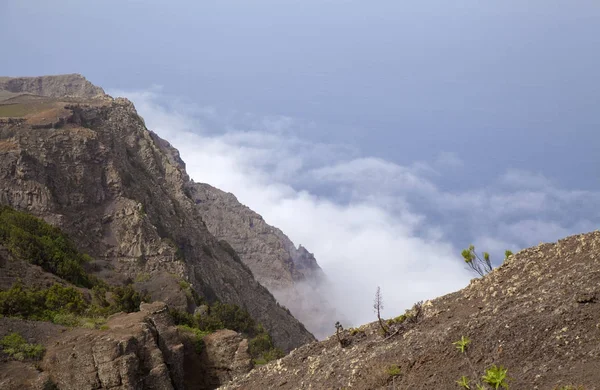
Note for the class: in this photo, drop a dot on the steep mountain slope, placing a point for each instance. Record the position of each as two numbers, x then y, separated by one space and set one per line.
86 162
538 316
291 274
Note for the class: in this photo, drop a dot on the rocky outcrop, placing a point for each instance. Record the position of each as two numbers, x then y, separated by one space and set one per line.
68 85
538 315
225 357
121 193
291 274
138 351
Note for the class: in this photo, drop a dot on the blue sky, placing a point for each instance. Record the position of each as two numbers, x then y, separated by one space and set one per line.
414 126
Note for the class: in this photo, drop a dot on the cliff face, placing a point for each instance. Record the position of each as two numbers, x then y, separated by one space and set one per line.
538 316
72 85
90 166
291 274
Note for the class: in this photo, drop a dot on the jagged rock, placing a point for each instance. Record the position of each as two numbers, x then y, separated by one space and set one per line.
139 350
536 315
291 274
225 357
120 192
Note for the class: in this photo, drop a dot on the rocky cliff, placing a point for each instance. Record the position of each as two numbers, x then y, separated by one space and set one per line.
537 317
291 274
69 85
86 163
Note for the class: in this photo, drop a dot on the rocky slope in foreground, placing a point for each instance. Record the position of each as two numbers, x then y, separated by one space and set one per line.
538 316
86 163
291 274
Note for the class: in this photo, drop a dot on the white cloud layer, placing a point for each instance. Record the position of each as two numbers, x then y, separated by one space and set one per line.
369 222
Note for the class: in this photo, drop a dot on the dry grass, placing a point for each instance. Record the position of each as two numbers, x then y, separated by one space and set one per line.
13 110
6 146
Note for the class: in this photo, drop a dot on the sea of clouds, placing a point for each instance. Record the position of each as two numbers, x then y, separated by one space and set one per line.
370 222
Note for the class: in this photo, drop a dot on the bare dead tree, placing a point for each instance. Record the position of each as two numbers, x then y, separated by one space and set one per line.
378 307
338 329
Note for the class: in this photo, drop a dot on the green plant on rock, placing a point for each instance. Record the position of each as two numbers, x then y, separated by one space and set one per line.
480 265
464 382
198 337
262 349
128 299
462 344
15 346
496 377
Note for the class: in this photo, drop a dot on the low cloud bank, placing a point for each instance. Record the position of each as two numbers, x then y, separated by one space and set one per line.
369 222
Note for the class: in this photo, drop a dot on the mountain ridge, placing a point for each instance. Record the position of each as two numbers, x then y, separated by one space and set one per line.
537 316
87 163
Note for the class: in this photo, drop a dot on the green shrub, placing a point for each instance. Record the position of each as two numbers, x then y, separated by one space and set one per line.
462 344
40 304
496 377
183 318
229 316
233 317
393 370
31 239
464 382
128 299
15 346
262 350
198 337
398 320
66 319
66 305
64 299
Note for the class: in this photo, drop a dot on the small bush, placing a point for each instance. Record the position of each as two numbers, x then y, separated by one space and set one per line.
464 382
15 346
397 320
393 370
462 344
496 377
128 299
261 349
198 337
183 318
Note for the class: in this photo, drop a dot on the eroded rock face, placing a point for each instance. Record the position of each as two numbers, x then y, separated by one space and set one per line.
92 168
139 351
225 357
538 315
290 273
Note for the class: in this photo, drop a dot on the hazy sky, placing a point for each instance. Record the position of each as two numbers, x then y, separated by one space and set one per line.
384 136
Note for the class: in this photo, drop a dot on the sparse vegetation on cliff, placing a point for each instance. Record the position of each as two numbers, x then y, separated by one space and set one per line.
65 305
378 307
16 347
31 239
229 316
